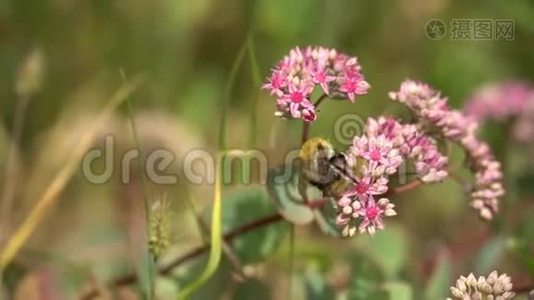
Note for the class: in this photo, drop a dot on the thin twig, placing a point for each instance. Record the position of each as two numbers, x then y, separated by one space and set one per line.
318 102
167 269
406 187
227 248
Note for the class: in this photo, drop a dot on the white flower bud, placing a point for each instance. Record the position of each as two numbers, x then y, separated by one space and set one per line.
492 278
471 280
456 292
461 285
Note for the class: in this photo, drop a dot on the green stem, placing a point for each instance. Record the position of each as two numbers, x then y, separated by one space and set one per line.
12 167
229 236
257 82
231 79
291 260
144 186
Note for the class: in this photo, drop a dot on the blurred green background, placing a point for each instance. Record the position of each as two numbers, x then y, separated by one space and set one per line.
185 50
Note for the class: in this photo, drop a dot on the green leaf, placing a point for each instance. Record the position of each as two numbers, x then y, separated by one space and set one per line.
399 290
524 183
440 281
165 288
316 286
245 206
388 248
490 254
326 220
12 275
366 279
213 287
252 289
283 187
523 243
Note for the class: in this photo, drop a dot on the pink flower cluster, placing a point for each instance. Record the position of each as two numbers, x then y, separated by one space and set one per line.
374 156
371 158
433 110
504 100
294 78
498 101
414 144
523 129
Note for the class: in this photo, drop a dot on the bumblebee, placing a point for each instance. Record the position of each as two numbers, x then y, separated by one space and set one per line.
325 168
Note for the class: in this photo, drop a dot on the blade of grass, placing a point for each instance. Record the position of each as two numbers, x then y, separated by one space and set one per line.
254 69
228 91
58 183
216 239
148 288
205 231
216 215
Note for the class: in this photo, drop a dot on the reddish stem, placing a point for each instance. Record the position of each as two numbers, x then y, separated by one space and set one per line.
165 270
306 125
406 187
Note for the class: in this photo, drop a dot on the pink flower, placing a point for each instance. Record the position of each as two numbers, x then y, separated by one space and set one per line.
277 81
372 213
368 186
504 100
497 101
353 85
384 145
297 94
322 78
523 129
296 75
368 213
430 164
378 151
348 207
455 126
386 126
295 103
